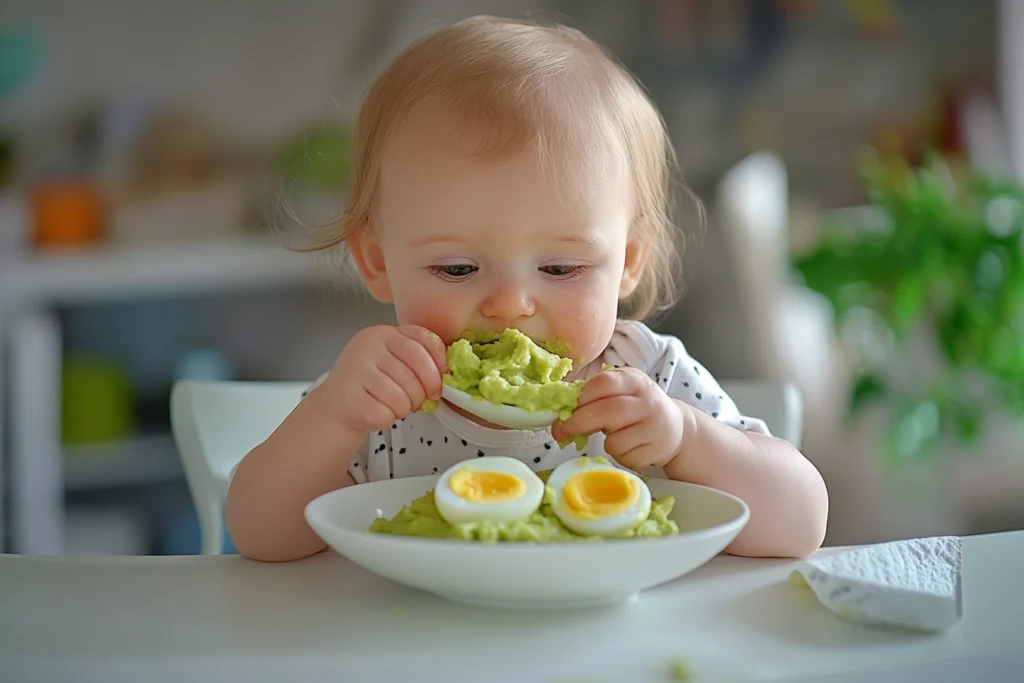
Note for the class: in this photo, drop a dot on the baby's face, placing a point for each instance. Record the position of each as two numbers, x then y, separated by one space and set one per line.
473 244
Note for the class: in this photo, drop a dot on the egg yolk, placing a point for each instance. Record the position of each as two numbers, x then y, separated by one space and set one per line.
599 493
486 487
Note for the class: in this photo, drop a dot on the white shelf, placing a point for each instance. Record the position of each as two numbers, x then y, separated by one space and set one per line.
139 460
136 270
32 286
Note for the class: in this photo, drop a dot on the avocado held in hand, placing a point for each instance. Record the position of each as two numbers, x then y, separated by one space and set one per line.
511 369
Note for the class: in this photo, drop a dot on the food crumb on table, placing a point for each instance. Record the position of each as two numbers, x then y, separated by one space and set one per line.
797 579
679 670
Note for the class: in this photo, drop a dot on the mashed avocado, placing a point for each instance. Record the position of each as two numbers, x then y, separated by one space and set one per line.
580 441
511 368
421 518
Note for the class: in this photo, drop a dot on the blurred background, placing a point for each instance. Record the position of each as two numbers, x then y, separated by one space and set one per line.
156 159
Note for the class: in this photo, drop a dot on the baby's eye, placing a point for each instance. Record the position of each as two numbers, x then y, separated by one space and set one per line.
563 271
452 272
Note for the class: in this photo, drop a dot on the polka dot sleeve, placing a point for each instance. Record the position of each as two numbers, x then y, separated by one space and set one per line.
665 360
315 384
358 468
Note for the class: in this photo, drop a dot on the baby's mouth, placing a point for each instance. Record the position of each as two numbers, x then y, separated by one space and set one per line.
555 346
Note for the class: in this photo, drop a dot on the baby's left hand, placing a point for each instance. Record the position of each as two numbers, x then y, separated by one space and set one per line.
643 425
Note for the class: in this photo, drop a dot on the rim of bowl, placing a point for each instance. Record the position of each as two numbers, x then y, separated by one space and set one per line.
584 546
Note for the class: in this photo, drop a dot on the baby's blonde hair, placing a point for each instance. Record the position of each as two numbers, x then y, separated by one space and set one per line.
517 83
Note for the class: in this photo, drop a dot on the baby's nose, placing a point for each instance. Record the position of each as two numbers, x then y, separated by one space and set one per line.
508 301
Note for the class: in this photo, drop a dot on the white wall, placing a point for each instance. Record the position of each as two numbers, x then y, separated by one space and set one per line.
261 69
262 65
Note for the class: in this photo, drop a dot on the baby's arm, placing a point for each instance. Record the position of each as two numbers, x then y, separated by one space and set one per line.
786 494
726 450
382 375
306 456
721 448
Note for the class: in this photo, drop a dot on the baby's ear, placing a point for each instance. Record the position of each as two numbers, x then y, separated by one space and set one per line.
636 260
369 258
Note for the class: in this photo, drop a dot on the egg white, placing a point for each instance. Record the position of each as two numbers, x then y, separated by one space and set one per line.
609 525
457 510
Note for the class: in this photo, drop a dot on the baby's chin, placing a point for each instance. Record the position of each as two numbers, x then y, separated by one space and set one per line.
588 347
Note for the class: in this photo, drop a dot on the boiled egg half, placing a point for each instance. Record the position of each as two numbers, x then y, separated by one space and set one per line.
593 497
493 488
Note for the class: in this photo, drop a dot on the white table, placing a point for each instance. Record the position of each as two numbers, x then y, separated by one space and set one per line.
226 618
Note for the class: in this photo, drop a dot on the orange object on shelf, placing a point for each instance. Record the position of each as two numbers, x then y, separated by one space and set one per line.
66 213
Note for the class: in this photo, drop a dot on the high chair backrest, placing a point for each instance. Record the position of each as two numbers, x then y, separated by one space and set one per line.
216 423
780 405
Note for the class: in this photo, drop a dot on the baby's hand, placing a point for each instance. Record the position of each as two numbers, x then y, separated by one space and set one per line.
643 425
383 374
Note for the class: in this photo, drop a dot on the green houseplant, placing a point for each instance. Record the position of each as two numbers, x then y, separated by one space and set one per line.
939 271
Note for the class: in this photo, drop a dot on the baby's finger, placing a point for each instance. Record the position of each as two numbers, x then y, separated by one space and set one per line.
417 358
603 385
640 458
604 415
626 440
375 413
406 379
621 382
382 387
431 342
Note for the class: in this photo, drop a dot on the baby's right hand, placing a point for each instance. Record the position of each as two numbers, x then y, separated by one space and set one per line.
383 374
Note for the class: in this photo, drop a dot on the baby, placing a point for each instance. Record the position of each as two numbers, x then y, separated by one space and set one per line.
507 174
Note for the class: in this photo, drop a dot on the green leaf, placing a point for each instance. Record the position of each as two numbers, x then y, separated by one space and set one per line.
866 388
968 426
908 304
940 253
913 431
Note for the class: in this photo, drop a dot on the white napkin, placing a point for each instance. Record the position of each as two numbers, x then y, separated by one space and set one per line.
912 584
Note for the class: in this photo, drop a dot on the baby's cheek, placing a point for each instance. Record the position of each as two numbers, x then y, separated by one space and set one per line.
588 330
436 318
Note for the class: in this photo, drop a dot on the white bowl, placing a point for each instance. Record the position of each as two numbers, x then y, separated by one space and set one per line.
525 576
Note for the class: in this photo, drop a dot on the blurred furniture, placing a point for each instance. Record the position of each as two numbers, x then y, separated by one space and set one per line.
32 288
771 329
790 331
1011 78
323 618
752 212
216 423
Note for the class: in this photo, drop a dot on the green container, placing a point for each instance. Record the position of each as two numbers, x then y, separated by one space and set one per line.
97 402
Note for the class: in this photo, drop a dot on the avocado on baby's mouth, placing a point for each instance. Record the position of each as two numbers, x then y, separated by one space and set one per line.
510 368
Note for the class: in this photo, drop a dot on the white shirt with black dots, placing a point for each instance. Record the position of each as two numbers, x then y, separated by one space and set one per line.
429 443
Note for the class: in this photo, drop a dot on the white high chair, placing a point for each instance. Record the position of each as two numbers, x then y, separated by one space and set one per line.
216 423
781 406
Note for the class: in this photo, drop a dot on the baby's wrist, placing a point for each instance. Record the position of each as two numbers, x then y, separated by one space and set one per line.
678 462
329 416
